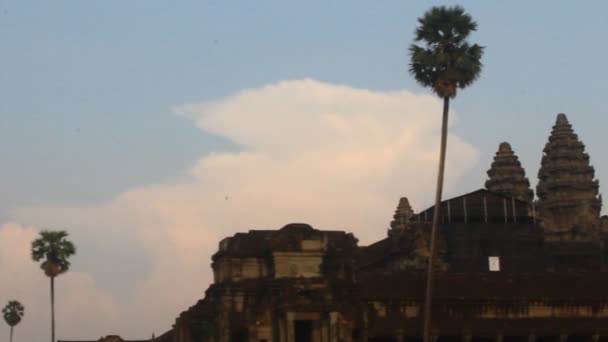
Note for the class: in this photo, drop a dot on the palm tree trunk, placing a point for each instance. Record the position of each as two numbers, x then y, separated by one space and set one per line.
11 334
436 212
52 309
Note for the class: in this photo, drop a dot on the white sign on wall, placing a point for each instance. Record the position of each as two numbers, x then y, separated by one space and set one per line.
494 263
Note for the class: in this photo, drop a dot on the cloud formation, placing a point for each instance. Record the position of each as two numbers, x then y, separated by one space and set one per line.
330 155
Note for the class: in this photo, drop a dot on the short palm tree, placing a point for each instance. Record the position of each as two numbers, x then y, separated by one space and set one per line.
444 63
53 249
13 312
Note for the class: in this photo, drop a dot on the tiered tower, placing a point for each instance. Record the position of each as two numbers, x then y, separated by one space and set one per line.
409 241
568 204
402 216
507 177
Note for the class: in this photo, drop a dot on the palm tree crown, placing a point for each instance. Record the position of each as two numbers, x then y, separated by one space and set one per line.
13 312
447 61
54 249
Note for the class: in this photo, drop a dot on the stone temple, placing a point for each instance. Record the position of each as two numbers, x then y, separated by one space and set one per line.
510 268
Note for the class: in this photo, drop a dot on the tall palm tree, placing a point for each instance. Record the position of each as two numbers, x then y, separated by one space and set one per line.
444 63
13 312
53 249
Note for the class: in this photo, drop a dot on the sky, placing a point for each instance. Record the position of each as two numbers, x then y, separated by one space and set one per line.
149 130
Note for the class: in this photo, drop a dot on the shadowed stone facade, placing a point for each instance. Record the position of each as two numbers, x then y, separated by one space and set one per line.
507 176
567 190
505 274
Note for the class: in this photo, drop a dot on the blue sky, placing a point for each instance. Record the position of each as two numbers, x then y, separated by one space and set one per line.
88 86
91 91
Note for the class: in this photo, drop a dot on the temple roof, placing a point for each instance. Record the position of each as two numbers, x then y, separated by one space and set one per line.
258 243
109 338
479 206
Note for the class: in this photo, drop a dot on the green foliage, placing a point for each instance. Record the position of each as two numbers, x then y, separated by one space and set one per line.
53 249
446 61
13 312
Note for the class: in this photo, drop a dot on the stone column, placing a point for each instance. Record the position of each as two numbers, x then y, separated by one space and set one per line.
224 328
333 327
252 334
317 335
364 329
346 332
363 337
400 336
290 326
324 322
281 328
178 333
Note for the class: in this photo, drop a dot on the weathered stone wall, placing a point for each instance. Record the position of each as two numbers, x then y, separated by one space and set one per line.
236 269
295 265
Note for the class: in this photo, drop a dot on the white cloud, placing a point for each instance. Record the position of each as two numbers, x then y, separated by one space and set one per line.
332 156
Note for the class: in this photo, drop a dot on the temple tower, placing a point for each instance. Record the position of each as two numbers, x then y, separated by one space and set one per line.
568 204
410 241
402 216
507 177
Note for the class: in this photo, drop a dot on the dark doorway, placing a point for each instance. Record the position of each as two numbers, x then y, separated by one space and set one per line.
303 330
381 339
515 338
547 338
449 338
238 336
482 339
579 338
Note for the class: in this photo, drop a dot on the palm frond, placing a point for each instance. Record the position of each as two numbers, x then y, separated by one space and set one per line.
446 60
13 312
53 249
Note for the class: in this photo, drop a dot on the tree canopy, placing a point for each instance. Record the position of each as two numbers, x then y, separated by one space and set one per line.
13 312
446 61
53 248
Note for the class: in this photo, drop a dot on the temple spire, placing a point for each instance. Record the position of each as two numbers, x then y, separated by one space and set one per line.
402 216
506 176
568 203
